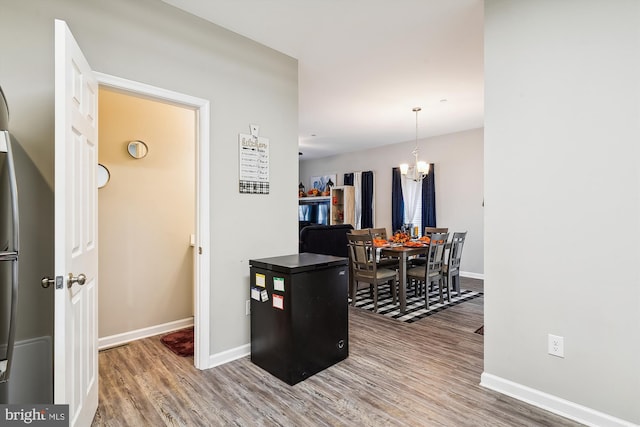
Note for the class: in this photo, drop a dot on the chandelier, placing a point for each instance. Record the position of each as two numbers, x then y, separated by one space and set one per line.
419 170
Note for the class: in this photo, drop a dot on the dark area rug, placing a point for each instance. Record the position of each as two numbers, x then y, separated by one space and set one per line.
415 304
180 342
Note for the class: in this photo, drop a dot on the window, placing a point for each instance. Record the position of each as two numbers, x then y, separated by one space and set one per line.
412 197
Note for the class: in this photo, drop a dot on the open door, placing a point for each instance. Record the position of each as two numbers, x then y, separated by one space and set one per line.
76 236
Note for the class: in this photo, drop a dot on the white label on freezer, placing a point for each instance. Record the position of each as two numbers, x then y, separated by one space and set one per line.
255 294
260 280
264 295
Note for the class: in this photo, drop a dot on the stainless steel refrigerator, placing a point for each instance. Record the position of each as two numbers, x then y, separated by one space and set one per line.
8 251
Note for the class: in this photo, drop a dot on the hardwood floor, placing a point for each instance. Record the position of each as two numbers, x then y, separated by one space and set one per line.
422 374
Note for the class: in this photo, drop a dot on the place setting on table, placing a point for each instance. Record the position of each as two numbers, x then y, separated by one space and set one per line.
412 255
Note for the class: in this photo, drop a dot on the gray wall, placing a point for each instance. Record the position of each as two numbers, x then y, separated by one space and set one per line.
458 160
562 199
35 304
30 378
151 42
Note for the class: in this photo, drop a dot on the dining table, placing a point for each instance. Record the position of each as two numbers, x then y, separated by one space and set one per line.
402 253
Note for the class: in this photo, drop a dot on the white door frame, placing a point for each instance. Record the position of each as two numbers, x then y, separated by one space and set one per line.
202 232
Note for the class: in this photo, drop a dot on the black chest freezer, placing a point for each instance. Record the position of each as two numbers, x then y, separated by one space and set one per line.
299 314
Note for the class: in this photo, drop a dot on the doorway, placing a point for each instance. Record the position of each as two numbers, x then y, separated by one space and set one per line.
181 204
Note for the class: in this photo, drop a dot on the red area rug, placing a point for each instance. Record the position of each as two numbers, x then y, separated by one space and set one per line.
180 342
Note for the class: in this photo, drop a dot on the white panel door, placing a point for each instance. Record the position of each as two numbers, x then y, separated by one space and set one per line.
76 237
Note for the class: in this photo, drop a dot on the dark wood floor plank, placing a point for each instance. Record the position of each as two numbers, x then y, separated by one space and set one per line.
426 373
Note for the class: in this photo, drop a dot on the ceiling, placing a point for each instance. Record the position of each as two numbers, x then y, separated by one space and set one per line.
364 64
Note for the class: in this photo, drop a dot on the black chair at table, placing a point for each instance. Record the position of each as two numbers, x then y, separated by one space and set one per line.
362 258
452 267
432 271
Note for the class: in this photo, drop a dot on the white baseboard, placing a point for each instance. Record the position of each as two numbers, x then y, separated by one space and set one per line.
551 403
123 338
229 355
472 275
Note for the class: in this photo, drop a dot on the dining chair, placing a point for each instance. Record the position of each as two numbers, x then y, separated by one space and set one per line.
361 232
365 269
352 282
384 261
452 267
378 233
432 271
428 231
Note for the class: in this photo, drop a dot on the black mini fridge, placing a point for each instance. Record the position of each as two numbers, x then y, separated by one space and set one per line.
299 314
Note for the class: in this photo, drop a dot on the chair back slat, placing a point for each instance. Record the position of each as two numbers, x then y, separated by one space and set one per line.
455 253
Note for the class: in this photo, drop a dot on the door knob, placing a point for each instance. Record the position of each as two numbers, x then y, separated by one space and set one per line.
80 280
46 282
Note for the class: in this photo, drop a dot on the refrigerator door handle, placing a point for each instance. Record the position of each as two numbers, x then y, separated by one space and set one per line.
5 146
5 364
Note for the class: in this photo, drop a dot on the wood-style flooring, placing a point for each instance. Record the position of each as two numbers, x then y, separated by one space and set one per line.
425 373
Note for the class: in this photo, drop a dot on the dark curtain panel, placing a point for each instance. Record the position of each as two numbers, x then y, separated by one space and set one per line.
348 178
397 202
429 199
367 200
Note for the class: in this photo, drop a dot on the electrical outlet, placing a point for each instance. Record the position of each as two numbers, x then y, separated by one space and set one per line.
247 307
556 345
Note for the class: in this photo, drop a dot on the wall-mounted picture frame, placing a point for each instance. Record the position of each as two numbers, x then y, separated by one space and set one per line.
320 182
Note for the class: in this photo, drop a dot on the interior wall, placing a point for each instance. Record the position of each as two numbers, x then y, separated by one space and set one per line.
35 304
146 213
152 42
562 114
32 378
458 163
